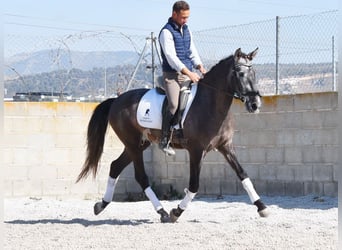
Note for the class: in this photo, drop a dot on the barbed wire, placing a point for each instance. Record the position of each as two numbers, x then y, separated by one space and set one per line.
306 53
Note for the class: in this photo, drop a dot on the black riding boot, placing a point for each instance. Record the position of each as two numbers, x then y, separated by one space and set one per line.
164 143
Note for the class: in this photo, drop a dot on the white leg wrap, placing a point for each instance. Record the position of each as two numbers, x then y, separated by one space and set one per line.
153 198
248 186
187 199
111 183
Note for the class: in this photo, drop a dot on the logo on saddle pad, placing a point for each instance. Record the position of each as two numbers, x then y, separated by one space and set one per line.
149 113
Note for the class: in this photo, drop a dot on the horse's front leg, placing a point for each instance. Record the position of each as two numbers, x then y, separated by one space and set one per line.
195 168
229 154
142 179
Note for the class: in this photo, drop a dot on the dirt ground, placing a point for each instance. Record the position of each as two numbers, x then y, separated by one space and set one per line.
209 223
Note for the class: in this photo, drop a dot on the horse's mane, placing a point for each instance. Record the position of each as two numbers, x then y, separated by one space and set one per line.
225 59
220 68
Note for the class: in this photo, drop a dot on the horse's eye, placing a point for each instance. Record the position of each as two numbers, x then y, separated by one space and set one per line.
241 74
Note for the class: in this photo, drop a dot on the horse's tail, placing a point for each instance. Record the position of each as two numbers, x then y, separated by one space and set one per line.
97 128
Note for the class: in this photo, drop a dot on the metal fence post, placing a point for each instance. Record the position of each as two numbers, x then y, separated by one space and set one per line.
277 55
333 64
153 67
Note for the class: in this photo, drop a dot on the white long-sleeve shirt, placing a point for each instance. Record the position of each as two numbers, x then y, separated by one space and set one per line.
168 46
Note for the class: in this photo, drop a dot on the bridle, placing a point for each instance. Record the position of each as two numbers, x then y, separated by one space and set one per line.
236 94
242 96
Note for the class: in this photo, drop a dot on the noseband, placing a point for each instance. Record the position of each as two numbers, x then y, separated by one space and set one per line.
242 96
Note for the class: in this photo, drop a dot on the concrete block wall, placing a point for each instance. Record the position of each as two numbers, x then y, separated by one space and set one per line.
289 148
44 150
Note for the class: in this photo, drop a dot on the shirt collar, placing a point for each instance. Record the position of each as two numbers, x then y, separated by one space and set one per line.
176 26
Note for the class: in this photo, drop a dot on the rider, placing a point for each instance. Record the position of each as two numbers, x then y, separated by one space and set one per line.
179 56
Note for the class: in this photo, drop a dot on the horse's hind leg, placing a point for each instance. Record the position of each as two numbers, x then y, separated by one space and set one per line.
229 154
116 168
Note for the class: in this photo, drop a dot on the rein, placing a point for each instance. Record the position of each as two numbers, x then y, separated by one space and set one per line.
236 95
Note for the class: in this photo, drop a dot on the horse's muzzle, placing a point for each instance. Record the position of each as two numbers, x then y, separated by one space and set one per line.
254 106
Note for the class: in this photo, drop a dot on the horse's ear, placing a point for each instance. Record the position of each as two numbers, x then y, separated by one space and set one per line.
237 54
251 55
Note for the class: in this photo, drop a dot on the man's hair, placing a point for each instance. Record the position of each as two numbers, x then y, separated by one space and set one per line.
180 5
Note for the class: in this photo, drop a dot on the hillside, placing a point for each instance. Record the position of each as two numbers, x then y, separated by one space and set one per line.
54 60
107 73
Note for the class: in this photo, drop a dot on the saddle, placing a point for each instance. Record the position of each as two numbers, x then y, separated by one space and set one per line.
153 105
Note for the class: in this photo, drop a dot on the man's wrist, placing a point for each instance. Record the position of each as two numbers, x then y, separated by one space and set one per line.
185 71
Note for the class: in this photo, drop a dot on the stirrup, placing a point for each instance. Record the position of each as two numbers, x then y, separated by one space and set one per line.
165 146
169 150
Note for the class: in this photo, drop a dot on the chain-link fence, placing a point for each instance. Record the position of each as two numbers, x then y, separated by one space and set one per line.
296 54
88 65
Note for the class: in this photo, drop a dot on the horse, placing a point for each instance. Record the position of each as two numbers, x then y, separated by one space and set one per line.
207 126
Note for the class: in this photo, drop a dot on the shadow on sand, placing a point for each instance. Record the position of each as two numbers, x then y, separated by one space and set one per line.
82 222
285 202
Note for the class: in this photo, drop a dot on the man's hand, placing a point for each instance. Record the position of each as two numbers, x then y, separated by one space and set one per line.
201 69
194 77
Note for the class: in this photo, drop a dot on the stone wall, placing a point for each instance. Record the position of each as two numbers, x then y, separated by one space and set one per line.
289 148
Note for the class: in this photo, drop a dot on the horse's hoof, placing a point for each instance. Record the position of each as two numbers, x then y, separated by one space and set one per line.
264 213
100 206
262 209
173 216
165 219
164 216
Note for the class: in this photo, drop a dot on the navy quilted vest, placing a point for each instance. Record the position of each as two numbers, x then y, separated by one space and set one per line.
182 45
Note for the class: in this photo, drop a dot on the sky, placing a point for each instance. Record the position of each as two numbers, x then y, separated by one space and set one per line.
29 24
146 16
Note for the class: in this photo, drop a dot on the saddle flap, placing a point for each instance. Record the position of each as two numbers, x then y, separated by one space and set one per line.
149 109
149 112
